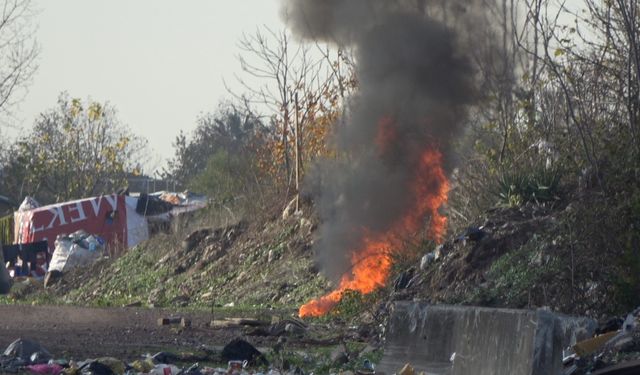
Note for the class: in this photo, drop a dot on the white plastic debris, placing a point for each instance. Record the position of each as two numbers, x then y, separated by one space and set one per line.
426 260
629 323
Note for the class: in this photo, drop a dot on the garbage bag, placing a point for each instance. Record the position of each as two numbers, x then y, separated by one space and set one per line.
28 351
74 251
95 368
117 366
165 357
240 350
152 205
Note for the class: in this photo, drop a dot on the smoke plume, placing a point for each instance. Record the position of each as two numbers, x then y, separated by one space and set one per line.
415 84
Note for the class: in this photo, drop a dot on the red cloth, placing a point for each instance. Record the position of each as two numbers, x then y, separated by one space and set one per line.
46 369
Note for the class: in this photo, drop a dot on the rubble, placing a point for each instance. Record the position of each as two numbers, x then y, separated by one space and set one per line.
614 352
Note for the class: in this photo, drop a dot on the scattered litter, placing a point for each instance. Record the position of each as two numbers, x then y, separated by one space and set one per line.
629 323
427 259
367 368
45 369
591 345
29 351
163 369
404 279
407 370
165 321
614 352
628 368
240 350
472 234
237 322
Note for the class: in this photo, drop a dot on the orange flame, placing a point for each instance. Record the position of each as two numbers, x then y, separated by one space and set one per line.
371 263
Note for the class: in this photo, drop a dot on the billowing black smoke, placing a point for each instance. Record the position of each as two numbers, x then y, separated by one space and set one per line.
415 83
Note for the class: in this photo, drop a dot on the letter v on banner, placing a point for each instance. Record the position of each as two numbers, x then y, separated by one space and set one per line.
96 203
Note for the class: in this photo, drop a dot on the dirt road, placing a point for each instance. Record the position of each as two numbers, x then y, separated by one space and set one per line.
125 333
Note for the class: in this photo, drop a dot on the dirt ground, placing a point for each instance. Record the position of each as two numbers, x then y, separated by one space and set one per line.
125 333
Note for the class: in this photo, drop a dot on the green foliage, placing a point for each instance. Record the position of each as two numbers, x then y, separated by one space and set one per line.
228 131
628 280
516 187
130 277
75 150
519 277
224 177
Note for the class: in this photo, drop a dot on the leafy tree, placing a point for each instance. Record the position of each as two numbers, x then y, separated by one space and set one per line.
218 158
228 128
76 150
224 177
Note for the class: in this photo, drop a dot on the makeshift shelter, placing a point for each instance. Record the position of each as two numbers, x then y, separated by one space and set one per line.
111 217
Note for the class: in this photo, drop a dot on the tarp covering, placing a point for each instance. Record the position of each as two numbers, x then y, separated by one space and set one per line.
112 217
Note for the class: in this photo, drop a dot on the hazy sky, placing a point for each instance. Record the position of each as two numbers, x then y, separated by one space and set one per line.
159 62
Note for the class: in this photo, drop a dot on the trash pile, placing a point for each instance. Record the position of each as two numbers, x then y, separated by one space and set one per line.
26 356
240 358
615 349
517 257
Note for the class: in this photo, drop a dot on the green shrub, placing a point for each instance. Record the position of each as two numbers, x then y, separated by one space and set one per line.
519 186
224 177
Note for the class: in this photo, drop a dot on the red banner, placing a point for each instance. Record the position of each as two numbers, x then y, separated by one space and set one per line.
105 216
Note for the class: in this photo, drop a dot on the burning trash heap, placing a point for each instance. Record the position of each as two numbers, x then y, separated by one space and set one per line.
415 85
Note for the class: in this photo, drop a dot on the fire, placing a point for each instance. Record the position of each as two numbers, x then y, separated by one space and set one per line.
371 262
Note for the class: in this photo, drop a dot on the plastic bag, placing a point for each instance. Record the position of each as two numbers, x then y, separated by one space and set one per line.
76 250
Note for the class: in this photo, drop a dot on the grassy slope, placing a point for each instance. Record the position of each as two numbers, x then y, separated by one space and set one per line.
261 264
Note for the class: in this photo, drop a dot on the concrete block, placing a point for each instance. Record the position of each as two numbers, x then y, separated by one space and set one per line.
464 340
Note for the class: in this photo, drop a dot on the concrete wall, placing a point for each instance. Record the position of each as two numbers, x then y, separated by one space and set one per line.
485 341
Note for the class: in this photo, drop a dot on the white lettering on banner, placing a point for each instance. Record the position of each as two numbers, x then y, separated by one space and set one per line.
112 199
77 207
57 214
29 224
